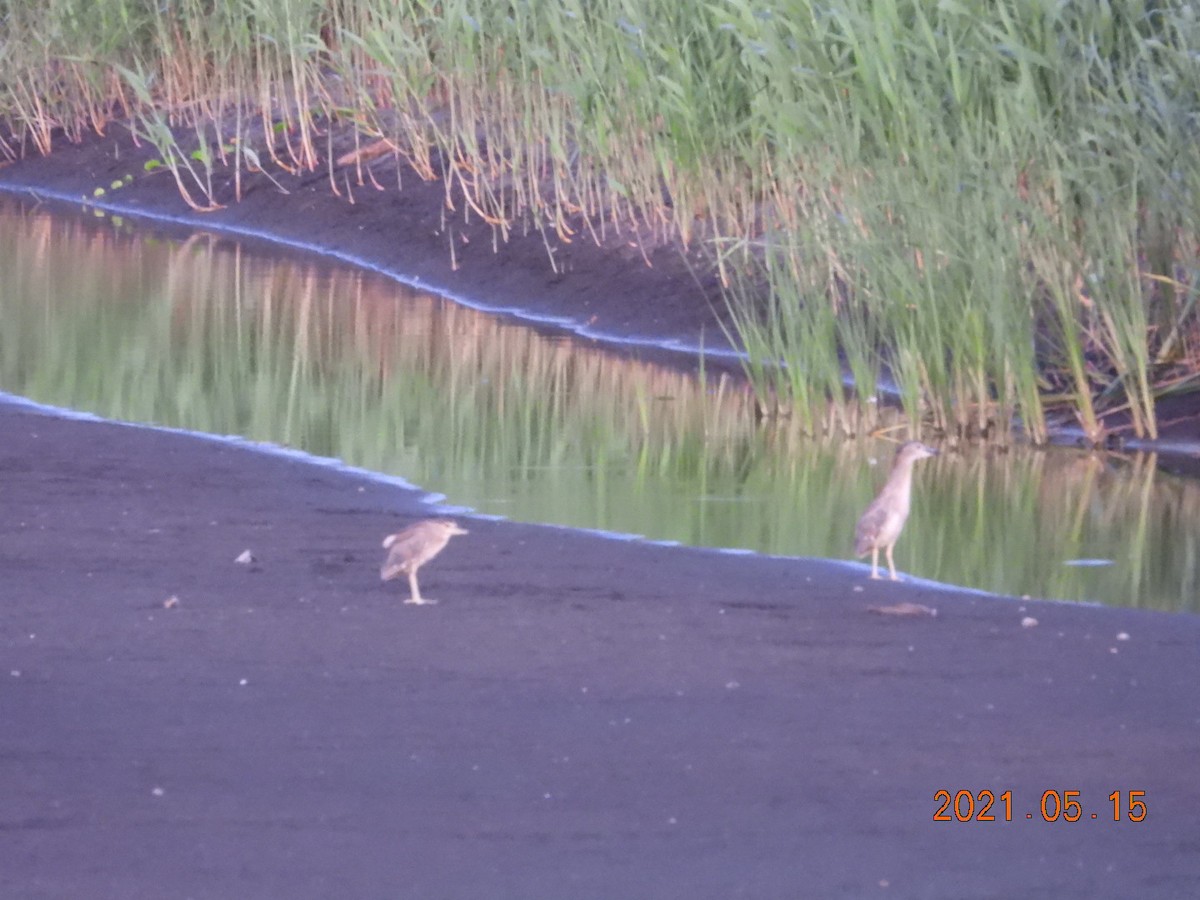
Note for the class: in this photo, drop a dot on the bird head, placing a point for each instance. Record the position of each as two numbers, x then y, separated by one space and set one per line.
914 450
452 527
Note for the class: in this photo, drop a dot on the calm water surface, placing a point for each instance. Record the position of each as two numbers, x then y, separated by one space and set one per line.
204 334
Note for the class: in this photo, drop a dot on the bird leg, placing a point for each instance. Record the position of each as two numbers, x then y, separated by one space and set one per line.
416 599
875 563
892 564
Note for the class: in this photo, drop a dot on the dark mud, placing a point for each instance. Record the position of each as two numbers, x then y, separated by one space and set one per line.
577 718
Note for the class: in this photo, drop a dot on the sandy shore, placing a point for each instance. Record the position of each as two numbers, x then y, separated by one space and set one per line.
578 717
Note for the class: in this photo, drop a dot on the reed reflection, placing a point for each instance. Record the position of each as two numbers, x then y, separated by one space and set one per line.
203 334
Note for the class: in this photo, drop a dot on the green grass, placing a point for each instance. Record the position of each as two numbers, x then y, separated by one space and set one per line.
990 206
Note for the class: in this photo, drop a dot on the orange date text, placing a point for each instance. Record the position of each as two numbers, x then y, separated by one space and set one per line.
1053 806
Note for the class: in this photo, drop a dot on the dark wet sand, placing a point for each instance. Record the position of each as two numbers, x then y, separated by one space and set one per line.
578 717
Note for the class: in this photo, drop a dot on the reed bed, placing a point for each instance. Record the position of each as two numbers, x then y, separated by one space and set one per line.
207 336
987 210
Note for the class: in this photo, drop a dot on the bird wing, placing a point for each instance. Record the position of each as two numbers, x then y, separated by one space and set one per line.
870 526
402 547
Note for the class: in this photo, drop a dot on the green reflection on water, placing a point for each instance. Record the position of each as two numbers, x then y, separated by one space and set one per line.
203 334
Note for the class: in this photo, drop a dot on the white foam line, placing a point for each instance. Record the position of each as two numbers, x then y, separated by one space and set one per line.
884 384
436 500
429 498
560 322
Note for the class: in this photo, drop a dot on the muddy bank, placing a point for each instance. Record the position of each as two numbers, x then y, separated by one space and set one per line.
578 717
648 300
598 291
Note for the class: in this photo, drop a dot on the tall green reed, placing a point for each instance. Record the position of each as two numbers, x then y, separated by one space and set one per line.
989 206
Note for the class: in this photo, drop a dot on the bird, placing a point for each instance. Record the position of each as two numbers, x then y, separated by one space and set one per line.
412 547
881 523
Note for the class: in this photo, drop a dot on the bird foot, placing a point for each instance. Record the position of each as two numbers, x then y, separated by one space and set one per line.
875 576
420 601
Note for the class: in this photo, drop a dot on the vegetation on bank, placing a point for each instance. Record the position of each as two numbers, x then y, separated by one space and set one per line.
989 206
208 335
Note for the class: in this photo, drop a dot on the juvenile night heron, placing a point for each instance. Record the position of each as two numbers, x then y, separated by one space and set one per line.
412 547
880 526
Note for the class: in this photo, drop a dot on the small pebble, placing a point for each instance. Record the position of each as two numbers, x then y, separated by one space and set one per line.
245 558
1123 636
1029 622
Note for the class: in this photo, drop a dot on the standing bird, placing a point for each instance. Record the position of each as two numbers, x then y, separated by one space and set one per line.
880 526
412 547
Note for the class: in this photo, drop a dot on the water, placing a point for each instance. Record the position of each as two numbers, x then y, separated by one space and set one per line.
204 334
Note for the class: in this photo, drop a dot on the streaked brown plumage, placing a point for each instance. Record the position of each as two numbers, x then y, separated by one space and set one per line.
412 547
881 524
